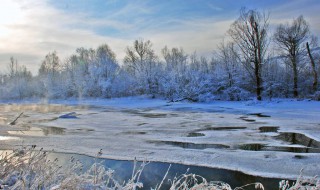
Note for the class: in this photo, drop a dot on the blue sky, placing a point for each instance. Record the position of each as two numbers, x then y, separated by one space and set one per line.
29 29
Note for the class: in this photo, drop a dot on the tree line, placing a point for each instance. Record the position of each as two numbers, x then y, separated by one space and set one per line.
250 62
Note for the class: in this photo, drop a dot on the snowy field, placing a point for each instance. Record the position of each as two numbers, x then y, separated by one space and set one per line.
268 138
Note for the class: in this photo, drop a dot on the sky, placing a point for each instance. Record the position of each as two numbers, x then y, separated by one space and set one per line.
30 29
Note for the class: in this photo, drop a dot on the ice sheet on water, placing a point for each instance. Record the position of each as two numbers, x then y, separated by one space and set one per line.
156 120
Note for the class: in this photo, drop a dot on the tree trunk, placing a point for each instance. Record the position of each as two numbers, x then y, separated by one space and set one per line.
258 81
258 61
314 72
295 79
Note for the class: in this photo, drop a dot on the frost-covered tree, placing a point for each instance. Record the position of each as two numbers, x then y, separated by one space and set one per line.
105 69
249 32
106 61
230 61
232 80
85 58
140 57
74 75
90 72
174 79
17 83
291 38
78 74
276 77
12 67
185 77
49 75
142 63
175 59
50 65
200 79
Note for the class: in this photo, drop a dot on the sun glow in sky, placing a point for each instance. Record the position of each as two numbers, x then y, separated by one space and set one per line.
10 14
29 29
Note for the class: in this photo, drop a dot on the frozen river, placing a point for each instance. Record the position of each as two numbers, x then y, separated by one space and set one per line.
269 139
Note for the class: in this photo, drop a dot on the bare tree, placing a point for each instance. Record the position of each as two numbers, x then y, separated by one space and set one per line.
140 58
142 62
50 65
12 67
249 32
175 59
314 41
85 57
314 71
229 58
290 39
106 61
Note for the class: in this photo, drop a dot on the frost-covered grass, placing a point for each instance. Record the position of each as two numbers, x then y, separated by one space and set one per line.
28 168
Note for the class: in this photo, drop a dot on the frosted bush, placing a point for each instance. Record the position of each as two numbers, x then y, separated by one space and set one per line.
28 168
316 96
236 94
301 183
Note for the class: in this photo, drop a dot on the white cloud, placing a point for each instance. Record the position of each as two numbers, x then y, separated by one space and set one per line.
44 29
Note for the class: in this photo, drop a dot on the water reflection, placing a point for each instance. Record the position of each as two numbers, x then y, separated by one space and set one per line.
53 131
268 129
223 128
189 145
264 147
298 138
253 147
147 114
134 133
195 135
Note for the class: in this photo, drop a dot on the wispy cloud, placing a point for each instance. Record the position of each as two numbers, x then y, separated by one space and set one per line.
286 12
201 36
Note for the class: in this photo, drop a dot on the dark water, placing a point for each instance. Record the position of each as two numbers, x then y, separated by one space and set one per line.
304 143
222 128
298 138
195 134
269 129
190 145
308 144
259 115
263 147
154 172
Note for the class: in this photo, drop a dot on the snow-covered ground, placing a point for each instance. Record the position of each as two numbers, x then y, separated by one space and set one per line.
218 134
